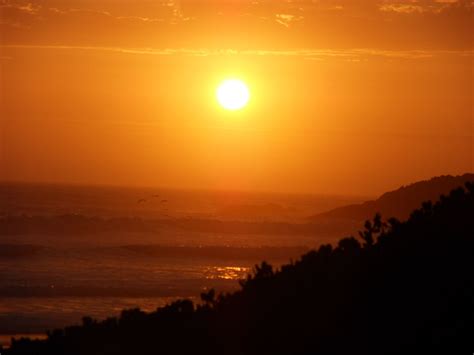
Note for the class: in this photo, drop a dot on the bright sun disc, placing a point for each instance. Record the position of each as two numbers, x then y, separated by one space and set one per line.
233 94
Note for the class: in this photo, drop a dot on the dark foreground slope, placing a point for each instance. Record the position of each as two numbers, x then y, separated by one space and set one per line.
401 288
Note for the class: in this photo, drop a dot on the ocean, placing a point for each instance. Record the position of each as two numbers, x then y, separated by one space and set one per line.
72 251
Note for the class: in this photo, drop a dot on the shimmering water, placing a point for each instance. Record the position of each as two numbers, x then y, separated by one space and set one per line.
57 287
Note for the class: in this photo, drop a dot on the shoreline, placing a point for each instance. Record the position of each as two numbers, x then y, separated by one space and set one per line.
6 339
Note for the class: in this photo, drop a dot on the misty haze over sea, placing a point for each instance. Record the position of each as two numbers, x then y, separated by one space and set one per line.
104 201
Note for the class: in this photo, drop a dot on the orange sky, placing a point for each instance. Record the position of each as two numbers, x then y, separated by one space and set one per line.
347 96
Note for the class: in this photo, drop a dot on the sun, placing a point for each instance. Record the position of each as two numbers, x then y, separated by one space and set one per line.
233 94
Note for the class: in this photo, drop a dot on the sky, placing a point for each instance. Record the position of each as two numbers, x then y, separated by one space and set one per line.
347 97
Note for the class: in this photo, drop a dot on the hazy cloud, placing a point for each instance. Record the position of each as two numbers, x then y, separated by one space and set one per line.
240 24
29 7
352 54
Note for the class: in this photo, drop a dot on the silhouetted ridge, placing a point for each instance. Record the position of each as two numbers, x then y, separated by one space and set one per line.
399 288
398 203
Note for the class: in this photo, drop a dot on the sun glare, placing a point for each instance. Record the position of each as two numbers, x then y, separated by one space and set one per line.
233 94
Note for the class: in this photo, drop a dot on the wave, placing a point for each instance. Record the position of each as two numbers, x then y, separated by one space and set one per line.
19 250
159 251
188 289
82 224
217 252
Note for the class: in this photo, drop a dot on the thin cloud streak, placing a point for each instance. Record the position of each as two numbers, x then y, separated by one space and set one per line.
304 53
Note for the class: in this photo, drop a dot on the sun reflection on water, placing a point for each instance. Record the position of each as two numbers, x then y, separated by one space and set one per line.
227 272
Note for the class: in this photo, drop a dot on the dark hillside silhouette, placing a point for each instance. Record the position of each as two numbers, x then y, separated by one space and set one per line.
399 288
399 203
